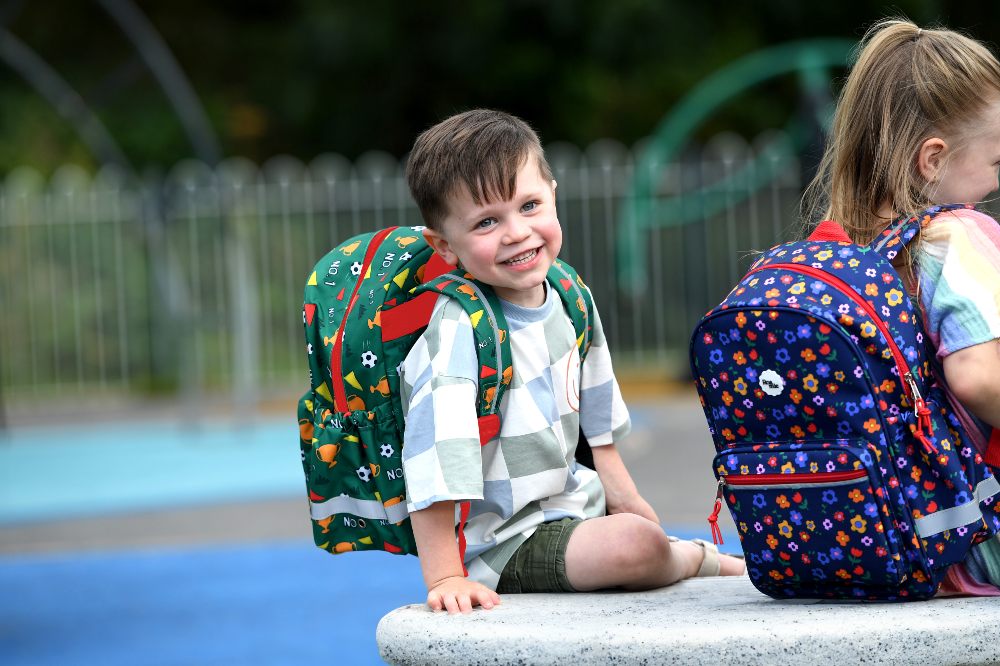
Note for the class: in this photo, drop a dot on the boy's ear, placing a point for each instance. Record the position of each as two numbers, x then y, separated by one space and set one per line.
931 157
440 245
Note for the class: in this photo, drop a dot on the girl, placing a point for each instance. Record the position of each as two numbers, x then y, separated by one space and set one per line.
918 124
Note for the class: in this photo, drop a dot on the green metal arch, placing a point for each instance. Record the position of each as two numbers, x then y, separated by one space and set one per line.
642 211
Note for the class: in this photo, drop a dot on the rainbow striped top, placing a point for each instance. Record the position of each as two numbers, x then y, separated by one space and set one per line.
958 268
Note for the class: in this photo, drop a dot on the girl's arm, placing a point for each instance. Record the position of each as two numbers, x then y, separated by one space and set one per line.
447 587
619 489
973 375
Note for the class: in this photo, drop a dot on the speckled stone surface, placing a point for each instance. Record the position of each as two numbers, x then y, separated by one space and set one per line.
714 621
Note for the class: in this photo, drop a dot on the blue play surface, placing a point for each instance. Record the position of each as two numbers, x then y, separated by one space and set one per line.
278 602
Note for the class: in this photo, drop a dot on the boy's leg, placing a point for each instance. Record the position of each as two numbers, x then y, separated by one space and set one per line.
632 552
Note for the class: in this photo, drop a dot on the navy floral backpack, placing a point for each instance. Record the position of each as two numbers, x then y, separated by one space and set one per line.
845 471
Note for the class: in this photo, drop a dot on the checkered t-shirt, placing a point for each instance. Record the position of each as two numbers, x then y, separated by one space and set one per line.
526 475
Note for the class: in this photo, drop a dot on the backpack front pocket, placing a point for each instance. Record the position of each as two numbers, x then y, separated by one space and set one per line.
812 518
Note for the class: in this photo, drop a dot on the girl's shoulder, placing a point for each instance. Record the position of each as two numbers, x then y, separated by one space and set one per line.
962 222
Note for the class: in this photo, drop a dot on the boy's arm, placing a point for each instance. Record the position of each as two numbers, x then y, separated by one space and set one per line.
619 489
447 587
973 375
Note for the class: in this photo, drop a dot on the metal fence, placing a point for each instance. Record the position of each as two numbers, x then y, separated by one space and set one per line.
190 283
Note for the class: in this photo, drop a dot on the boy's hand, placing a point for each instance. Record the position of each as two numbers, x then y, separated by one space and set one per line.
459 594
631 503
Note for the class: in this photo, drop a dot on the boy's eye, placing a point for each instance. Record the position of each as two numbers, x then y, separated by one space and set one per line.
486 223
531 205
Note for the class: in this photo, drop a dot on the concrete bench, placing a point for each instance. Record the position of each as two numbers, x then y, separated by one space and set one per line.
712 621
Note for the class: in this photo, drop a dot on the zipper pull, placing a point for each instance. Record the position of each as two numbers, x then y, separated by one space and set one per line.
713 520
923 414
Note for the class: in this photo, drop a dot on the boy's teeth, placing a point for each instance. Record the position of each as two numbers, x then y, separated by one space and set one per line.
520 259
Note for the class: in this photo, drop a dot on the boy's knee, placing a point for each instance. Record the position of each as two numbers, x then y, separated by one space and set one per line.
649 547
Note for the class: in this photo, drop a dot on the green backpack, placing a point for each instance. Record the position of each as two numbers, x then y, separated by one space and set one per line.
365 305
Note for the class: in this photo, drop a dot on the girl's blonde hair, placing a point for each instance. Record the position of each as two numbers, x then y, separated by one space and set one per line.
906 86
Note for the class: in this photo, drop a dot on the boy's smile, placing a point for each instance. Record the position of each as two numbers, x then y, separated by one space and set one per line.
508 245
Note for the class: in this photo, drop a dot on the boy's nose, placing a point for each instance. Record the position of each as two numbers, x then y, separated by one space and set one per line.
517 230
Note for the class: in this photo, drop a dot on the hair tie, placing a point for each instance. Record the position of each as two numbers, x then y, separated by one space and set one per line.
920 31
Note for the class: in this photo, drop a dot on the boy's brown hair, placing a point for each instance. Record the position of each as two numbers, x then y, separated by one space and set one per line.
481 150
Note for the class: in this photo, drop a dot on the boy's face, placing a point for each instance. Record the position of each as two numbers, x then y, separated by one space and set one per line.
508 245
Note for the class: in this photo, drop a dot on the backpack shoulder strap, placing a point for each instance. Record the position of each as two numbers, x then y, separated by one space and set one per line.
489 327
577 301
904 229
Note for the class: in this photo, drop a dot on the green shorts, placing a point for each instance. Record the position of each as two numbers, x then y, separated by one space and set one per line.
539 564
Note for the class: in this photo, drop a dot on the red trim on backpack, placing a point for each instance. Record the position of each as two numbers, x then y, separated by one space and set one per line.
489 427
409 317
464 516
992 455
414 314
337 378
828 230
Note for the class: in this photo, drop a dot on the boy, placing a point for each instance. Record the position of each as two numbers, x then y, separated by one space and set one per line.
537 520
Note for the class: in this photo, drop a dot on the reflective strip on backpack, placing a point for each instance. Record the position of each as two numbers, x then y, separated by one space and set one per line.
372 509
958 516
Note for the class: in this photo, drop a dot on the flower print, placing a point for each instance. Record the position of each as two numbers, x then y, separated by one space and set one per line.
768 520
853 263
831 411
870 272
740 358
735 335
728 434
795 396
795 517
837 553
801 459
867 401
838 516
760 469
772 293
856 496
767 556
818 400
867 541
810 383
804 331
714 383
724 339
748 403
784 529
707 338
723 413
759 501
886 312
789 337
797 288
823 255
846 320
741 319
715 356
797 432
740 386
842 573
829 497
790 410
772 431
826 299
843 308
787 468
827 524
782 501
844 428
782 355
871 289
786 279
771 541
727 398
859 525
760 325
871 510
813 467
842 539
817 287
769 281
868 330
758 527
887 386
872 426
839 375
751 374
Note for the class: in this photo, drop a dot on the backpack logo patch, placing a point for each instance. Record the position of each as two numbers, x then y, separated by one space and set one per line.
771 382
